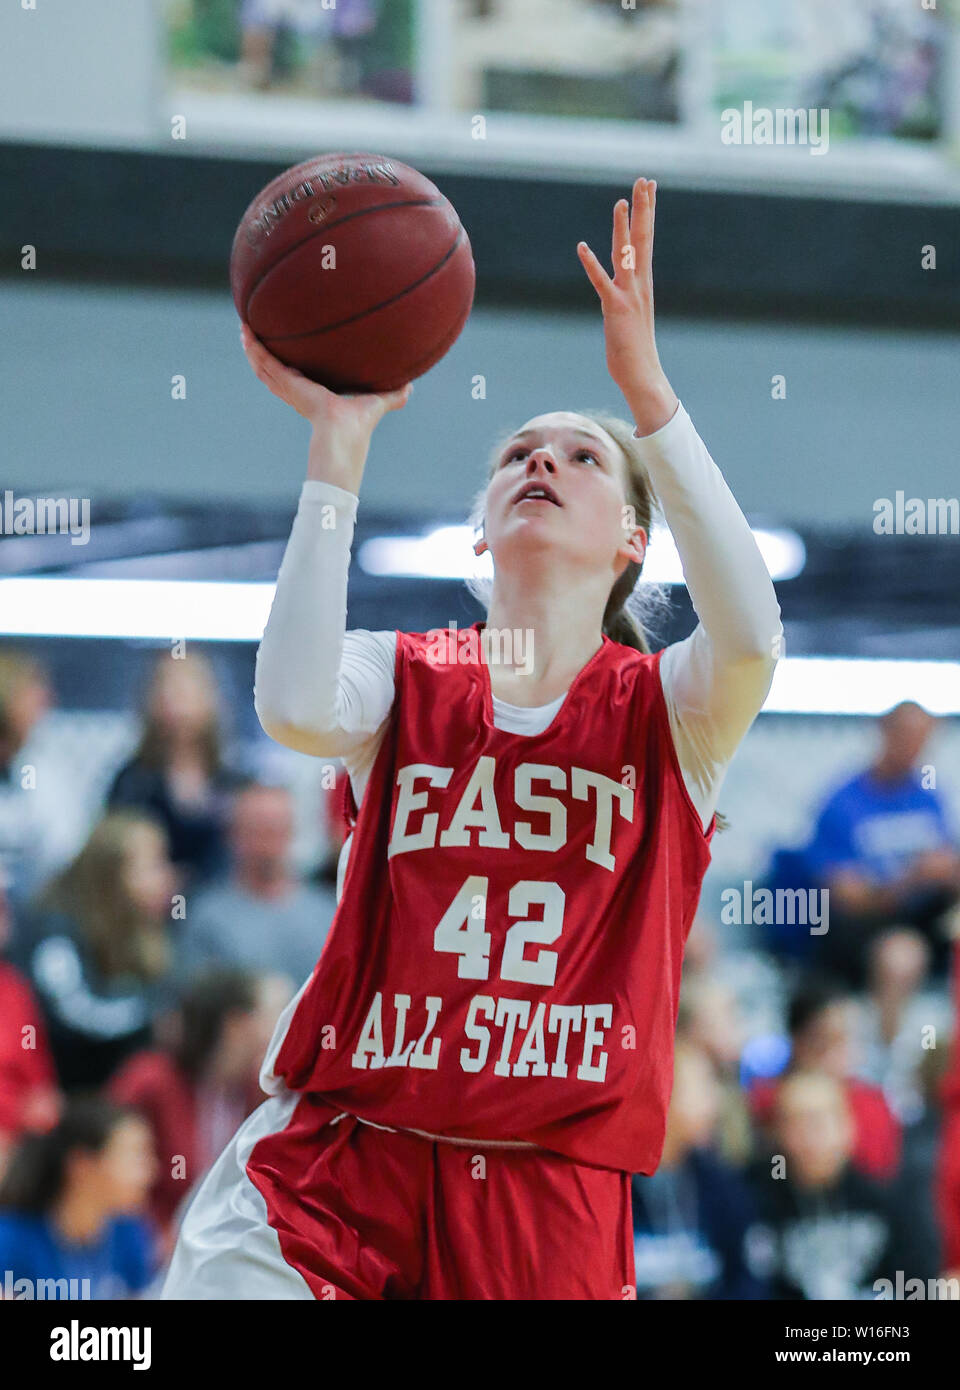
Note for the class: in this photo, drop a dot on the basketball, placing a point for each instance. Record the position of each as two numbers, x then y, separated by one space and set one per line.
355 269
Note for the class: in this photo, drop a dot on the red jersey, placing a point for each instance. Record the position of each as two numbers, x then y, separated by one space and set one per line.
504 962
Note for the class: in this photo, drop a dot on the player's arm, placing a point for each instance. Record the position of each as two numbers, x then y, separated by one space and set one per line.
715 682
318 688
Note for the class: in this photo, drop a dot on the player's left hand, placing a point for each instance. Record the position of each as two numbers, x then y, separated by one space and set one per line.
627 301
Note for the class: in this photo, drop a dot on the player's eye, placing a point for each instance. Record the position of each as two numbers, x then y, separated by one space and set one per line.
514 454
587 454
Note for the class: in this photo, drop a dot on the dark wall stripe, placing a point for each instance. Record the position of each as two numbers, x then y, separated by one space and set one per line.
170 218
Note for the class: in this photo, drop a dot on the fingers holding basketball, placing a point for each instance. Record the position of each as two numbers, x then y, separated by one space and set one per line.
286 382
395 400
370 407
310 399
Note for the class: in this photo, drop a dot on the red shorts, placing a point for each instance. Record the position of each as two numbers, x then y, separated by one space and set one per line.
366 1213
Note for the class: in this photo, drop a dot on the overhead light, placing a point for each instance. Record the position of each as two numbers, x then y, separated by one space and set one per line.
861 685
447 553
443 553
784 555
160 609
149 608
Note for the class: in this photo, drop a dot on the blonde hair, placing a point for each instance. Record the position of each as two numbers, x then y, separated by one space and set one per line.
627 614
93 891
154 747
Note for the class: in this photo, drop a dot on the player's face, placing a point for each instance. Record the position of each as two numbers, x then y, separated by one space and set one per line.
580 469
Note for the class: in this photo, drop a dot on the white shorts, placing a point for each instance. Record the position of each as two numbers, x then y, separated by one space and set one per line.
225 1247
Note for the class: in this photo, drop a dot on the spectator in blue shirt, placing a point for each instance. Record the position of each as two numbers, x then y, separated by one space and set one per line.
884 848
71 1204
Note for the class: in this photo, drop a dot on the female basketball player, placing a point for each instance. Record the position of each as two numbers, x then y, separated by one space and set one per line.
483 1055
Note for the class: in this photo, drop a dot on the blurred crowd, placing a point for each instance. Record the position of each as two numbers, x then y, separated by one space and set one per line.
813 1141
144 962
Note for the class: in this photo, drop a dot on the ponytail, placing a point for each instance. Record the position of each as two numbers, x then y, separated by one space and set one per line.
620 626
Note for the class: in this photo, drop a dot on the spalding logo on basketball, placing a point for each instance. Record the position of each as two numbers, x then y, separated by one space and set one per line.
353 268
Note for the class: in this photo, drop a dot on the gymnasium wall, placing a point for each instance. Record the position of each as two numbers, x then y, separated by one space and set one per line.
93 71
87 371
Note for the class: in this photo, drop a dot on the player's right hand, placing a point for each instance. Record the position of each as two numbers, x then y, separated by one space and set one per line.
323 408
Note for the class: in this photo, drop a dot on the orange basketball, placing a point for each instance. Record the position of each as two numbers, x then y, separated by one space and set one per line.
355 269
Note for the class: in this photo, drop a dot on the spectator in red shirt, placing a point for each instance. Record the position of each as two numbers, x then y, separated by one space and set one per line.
195 1092
821 1035
29 1099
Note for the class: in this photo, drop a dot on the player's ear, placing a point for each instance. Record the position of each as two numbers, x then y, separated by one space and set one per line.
480 545
634 545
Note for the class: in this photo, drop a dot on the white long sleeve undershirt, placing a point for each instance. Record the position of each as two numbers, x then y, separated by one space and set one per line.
326 691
